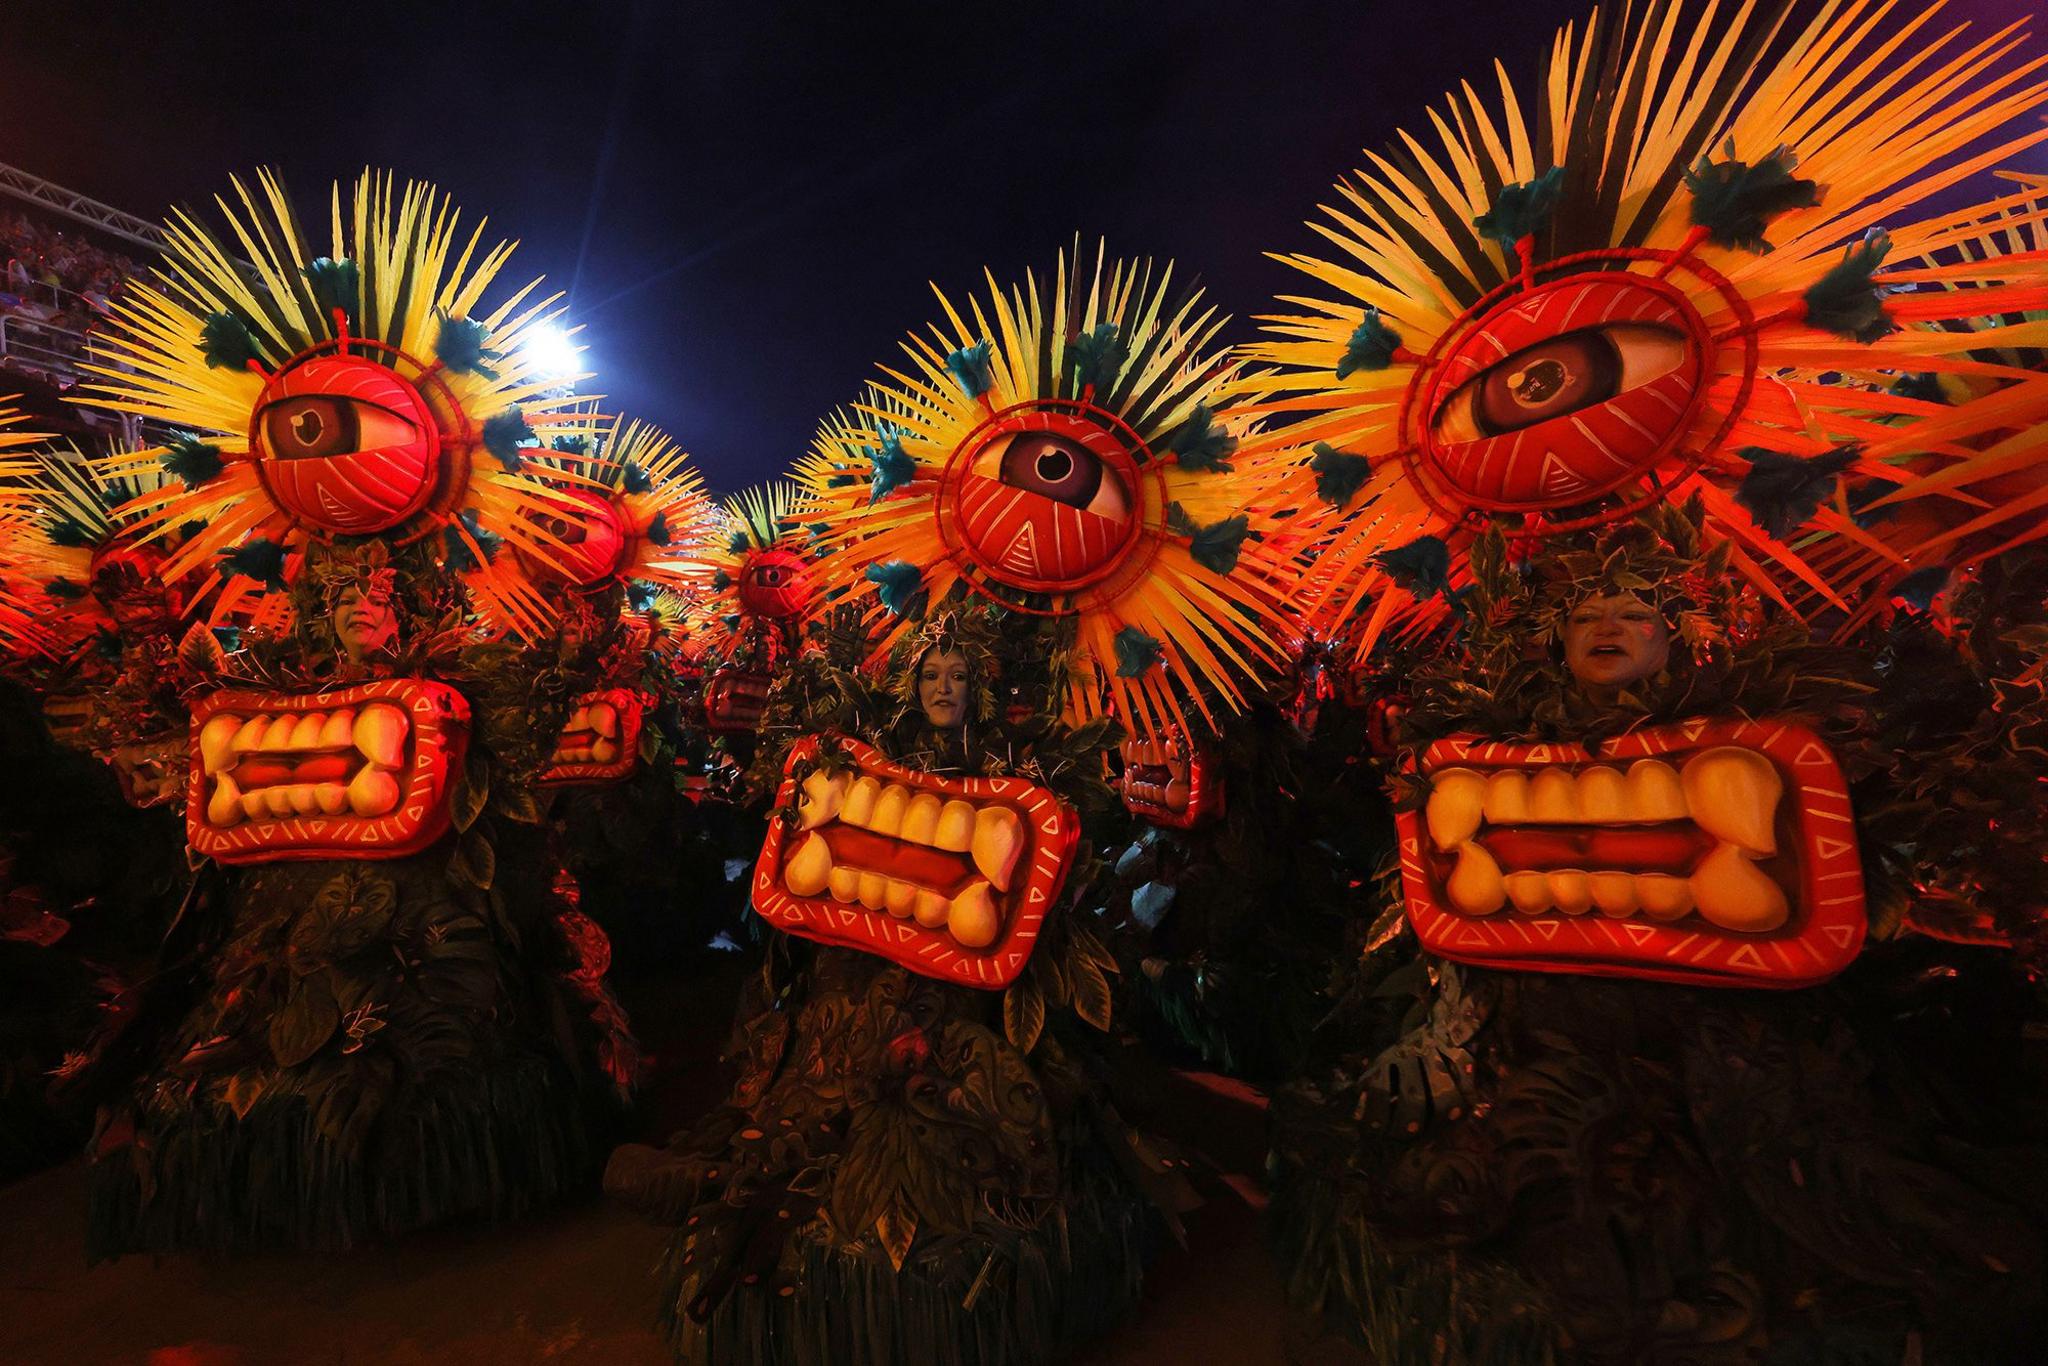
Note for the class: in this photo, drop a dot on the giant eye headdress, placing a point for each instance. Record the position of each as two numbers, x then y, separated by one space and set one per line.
1663 279
363 390
752 574
1057 451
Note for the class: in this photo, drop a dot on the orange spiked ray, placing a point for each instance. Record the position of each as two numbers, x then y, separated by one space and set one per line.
366 389
1660 274
1057 448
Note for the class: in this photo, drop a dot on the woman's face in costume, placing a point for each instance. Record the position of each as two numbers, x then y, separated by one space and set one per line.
363 621
942 688
1614 640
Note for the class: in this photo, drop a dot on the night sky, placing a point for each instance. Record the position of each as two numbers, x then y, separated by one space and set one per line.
746 200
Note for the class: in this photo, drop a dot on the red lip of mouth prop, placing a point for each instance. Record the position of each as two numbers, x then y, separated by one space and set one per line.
1707 853
600 743
359 772
948 877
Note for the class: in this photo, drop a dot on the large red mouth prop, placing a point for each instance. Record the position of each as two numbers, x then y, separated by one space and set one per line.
360 772
948 877
601 741
1170 782
735 700
1717 853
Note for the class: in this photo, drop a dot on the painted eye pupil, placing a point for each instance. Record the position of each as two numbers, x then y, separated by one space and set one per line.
1539 382
307 426
1054 466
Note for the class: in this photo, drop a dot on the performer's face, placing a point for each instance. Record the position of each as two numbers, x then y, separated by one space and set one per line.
942 688
363 621
1614 640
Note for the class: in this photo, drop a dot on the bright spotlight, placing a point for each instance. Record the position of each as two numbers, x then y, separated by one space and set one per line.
549 349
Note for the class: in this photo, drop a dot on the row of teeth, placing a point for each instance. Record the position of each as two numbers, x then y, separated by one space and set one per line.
1172 795
970 916
1730 793
601 752
377 731
1154 753
1727 889
371 793
599 718
992 835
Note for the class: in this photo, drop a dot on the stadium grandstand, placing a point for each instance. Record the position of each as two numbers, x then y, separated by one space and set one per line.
64 259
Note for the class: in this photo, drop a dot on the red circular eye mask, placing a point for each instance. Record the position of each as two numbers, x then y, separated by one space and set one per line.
775 584
593 540
1564 394
346 445
1046 499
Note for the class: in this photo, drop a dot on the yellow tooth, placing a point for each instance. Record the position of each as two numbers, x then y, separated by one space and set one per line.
1475 885
931 909
1614 894
1507 798
902 898
1662 896
250 736
380 734
972 919
215 737
604 751
256 806
1177 794
889 809
1569 891
1733 795
921 819
873 891
844 884
860 801
998 841
305 733
1732 892
1553 798
823 793
332 798
1530 892
303 798
1456 797
374 792
578 719
956 827
340 730
1654 792
1603 795
224 808
809 869
604 719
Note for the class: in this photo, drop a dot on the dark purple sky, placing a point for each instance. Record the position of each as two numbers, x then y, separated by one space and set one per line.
748 197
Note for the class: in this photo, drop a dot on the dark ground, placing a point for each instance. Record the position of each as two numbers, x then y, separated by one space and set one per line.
575 1287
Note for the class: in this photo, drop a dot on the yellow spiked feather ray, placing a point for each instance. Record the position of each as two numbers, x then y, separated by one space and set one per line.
1624 109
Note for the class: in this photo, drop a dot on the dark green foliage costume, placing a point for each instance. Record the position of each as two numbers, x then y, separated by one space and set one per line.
1491 1166
342 1050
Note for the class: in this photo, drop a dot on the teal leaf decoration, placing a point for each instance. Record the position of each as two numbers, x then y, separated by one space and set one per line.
190 459
226 342
636 480
572 445
504 435
1372 346
899 584
1522 209
65 590
1735 201
66 532
259 559
657 530
640 595
1136 652
892 469
973 367
1339 474
1201 444
1783 491
1423 567
335 282
1847 300
1095 358
1215 547
460 347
